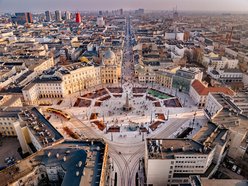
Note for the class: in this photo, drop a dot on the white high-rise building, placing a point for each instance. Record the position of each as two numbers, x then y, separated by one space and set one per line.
67 15
100 22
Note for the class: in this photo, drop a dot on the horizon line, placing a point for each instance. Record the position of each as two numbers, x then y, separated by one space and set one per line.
128 10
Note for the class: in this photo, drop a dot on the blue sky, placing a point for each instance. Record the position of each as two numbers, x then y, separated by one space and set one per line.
42 5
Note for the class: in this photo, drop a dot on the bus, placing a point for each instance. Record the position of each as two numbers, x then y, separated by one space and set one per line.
59 112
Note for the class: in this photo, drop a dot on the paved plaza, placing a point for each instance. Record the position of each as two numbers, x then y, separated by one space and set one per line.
143 114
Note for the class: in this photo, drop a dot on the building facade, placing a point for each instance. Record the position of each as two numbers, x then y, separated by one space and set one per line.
48 16
22 18
226 75
164 78
73 78
78 17
58 16
171 161
6 123
109 68
184 77
66 80
199 92
213 107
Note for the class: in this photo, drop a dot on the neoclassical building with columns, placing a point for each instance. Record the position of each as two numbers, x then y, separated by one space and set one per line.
62 81
110 73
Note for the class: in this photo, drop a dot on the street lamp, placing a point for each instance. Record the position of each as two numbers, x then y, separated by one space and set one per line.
111 136
151 117
106 128
148 130
104 122
194 119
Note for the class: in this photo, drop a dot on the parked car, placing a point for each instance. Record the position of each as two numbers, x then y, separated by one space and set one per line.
6 159
11 161
239 171
234 168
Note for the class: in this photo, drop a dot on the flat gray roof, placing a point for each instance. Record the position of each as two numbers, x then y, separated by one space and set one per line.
40 127
85 157
168 148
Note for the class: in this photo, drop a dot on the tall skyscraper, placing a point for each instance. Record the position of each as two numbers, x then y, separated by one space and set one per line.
78 17
29 17
48 16
58 16
67 15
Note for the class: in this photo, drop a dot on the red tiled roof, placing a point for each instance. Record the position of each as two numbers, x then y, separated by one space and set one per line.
202 90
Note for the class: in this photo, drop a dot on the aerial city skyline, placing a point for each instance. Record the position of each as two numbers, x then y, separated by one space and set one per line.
123 93
90 5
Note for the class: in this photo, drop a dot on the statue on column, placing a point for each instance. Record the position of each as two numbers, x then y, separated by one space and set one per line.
127 106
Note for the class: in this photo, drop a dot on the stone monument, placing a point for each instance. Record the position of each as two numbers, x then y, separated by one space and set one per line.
127 106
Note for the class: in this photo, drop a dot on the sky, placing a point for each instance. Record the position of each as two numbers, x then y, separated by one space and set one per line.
82 5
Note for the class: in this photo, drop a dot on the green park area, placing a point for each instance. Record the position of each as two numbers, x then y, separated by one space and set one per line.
158 94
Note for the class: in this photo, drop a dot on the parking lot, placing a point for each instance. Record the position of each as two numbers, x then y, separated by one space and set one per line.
8 148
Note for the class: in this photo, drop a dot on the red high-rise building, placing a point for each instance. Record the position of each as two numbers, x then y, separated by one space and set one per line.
29 17
78 17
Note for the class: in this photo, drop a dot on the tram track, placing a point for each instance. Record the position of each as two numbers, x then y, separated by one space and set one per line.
124 170
135 158
121 171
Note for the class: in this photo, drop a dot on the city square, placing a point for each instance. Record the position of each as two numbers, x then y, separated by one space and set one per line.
134 96
102 109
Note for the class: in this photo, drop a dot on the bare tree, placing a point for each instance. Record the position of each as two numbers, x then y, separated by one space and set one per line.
187 56
197 55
